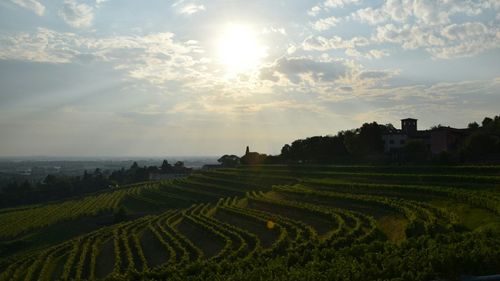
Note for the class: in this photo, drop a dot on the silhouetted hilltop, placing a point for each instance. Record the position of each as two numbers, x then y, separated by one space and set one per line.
384 144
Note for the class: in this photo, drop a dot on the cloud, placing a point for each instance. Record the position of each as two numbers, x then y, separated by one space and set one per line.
435 93
320 43
338 3
369 15
351 46
78 15
421 11
299 69
329 4
159 59
229 106
314 11
156 57
326 23
374 74
430 12
422 24
324 76
32 5
445 42
410 37
370 54
464 31
377 54
414 12
44 46
439 101
188 8
272 29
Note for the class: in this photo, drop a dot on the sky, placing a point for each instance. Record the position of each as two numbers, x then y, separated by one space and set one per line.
209 77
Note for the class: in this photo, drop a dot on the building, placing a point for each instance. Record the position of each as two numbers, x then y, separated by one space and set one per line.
438 139
447 139
394 141
397 139
252 158
409 126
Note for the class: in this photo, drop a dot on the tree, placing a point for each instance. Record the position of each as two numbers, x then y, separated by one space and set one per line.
86 176
438 126
473 126
134 166
165 166
179 164
416 151
366 140
484 142
286 151
253 158
50 179
317 149
486 121
480 145
390 128
371 137
229 160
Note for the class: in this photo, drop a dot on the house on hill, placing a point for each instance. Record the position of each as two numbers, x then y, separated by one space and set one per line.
438 139
252 158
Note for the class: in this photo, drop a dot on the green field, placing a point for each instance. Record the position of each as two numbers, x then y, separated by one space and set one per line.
267 223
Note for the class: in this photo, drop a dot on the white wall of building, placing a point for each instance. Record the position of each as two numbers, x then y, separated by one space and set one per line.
394 141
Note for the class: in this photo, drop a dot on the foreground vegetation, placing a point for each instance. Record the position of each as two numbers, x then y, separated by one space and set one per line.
267 223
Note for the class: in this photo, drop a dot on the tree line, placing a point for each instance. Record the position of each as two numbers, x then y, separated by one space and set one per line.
58 187
366 145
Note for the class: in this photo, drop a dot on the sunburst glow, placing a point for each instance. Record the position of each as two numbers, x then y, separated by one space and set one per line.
239 49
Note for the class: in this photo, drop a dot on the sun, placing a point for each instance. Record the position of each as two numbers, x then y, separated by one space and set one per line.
239 49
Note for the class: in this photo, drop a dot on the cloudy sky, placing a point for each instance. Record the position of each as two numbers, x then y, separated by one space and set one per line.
201 77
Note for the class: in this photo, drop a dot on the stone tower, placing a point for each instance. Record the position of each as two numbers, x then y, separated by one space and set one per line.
409 126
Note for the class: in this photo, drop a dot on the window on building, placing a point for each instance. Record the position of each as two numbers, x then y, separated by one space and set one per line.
402 141
391 141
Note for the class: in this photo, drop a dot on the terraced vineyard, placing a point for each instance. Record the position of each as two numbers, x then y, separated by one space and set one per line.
273 223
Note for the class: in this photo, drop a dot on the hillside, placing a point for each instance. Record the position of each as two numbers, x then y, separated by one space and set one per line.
267 223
